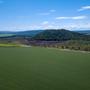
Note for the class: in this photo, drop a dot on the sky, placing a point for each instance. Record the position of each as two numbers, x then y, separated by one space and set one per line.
21 15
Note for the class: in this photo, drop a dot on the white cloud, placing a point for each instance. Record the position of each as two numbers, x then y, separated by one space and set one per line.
47 13
84 8
73 18
76 26
52 10
69 26
45 22
81 26
79 17
62 18
48 25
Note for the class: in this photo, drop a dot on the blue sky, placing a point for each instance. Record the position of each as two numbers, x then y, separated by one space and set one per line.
17 15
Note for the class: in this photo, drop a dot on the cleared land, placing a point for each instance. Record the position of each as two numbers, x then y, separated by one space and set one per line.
6 35
43 69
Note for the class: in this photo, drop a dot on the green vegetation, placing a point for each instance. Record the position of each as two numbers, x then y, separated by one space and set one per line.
74 45
6 35
60 35
10 45
57 38
43 69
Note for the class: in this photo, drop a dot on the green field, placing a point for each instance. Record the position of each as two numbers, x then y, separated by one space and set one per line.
6 35
43 69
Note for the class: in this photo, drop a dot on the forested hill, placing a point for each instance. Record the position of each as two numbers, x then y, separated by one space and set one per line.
60 38
60 35
47 35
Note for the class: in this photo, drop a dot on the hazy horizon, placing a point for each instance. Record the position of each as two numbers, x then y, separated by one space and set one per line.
23 15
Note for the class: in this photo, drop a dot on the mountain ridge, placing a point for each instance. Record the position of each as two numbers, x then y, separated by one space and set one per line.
60 34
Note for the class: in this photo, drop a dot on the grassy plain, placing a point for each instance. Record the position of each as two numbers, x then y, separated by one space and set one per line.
35 68
6 35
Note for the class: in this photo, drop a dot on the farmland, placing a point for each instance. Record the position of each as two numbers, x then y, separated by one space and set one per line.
35 68
6 35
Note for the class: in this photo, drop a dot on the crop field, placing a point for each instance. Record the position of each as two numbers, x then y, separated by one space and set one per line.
6 35
35 68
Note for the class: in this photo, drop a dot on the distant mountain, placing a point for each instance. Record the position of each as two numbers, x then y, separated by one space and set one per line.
60 35
46 35
87 32
6 32
28 33
60 38
20 33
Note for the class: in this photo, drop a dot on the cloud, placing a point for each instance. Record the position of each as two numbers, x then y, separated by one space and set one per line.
79 17
78 26
73 18
68 26
47 13
84 8
62 18
45 22
52 10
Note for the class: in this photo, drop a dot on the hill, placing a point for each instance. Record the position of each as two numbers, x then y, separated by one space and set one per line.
28 33
20 33
60 35
60 38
